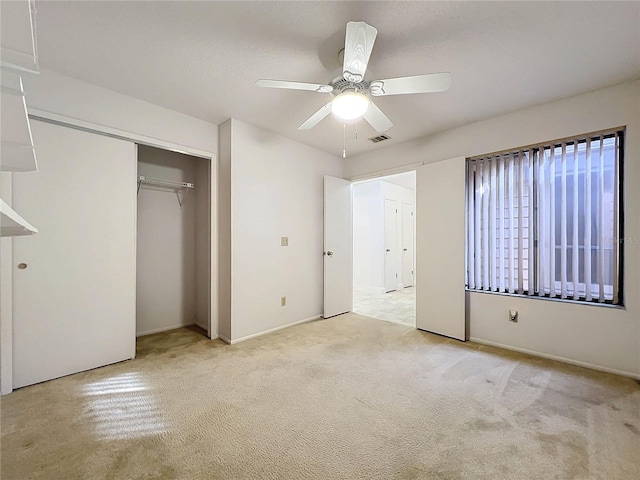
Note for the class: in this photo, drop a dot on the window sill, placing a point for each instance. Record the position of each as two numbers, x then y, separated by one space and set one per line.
536 297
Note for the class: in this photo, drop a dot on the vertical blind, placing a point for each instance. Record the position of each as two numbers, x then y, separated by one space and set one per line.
544 220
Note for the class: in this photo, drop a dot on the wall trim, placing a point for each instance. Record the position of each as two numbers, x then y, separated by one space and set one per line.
386 172
271 330
51 117
557 358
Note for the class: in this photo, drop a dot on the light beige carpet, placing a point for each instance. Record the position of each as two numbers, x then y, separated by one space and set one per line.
344 398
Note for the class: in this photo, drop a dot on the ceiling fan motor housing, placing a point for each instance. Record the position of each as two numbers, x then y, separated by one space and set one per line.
340 85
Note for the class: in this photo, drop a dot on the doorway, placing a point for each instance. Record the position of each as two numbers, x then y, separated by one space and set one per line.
173 244
383 248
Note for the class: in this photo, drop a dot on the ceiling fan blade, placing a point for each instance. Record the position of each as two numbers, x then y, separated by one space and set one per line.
377 118
316 118
312 87
435 82
358 43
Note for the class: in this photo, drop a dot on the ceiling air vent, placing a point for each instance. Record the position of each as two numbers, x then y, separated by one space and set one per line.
380 138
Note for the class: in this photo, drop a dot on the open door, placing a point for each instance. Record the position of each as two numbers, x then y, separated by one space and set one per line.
337 246
440 248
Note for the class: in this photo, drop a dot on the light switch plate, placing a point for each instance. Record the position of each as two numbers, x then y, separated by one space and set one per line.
284 241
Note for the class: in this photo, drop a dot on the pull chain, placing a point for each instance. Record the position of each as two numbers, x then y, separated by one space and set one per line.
344 140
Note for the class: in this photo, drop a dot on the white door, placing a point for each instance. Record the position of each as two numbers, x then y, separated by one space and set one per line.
407 244
74 281
440 248
337 246
390 245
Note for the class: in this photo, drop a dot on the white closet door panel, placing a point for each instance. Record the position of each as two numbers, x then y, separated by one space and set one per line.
440 248
74 303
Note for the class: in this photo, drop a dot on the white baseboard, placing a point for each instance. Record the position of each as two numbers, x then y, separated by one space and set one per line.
570 361
224 339
271 330
162 329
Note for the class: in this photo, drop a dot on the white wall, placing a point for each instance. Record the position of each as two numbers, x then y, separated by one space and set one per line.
398 192
203 246
167 253
368 237
368 231
224 229
605 338
276 190
407 180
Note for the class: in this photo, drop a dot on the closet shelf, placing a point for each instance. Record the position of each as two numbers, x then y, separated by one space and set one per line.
12 224
18 154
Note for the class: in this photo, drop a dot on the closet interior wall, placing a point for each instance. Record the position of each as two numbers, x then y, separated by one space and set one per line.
173 254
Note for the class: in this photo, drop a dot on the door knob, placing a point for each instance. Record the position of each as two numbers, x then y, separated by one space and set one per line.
388 250
404 249
22 266
329 253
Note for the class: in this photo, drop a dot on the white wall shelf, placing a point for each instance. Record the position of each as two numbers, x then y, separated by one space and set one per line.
12 224
18 25
18 154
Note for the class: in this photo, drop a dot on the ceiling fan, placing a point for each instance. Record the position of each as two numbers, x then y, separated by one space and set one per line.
352 91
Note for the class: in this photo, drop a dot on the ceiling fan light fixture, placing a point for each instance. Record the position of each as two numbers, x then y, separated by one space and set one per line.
350 105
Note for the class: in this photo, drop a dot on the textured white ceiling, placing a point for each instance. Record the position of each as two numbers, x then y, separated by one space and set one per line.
202 58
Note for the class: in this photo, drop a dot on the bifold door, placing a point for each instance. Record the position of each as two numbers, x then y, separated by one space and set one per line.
74 281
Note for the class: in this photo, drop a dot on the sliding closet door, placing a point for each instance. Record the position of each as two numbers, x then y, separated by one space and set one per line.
74 281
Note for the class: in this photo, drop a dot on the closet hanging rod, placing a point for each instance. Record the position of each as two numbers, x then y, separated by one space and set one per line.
163 183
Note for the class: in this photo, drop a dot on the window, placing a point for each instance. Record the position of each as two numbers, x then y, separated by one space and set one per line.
545 220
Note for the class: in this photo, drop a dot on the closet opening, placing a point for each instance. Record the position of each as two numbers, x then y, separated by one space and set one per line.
384 248
173 250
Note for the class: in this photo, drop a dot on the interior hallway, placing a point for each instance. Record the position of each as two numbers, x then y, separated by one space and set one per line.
398 306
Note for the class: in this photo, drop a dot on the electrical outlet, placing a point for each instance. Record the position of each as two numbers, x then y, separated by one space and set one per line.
283 301
513 316
284 241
